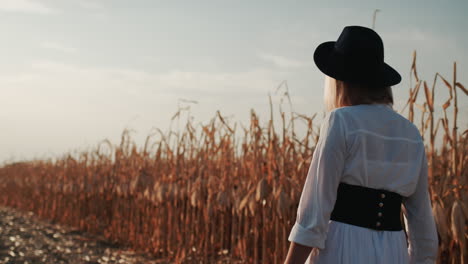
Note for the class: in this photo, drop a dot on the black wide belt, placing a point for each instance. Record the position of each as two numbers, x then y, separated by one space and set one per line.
367 207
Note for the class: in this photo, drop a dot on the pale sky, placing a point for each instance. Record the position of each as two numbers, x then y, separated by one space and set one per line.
75 72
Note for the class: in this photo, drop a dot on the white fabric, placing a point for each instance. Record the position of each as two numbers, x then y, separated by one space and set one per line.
371 146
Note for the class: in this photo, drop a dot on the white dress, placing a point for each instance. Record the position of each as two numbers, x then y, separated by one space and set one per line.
375 147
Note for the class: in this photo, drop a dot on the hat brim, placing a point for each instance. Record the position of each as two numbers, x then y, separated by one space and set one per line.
326 59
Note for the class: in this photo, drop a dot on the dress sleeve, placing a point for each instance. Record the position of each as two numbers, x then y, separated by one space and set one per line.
320 189
419 221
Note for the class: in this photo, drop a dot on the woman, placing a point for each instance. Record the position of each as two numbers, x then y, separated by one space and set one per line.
369 161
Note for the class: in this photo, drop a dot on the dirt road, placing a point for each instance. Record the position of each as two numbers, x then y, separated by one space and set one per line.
24 238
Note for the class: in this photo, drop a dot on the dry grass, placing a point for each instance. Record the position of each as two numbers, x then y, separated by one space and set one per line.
203 193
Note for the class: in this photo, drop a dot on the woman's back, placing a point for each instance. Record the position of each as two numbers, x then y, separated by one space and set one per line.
384 149
373 146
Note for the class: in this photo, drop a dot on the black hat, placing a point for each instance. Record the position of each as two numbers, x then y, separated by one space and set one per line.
357 56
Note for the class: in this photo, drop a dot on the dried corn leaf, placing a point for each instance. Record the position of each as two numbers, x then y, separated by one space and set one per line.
437 127
416 91
196 199
426 124
282 205
422 108
429 97
459 85
244 202
447 104
458 224
449 86
413 66
441 220
252 204
223 201
263 190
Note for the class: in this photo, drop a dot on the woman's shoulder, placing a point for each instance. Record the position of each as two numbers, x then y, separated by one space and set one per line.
370 112
376 117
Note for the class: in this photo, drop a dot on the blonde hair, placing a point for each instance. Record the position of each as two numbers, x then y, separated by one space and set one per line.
339 94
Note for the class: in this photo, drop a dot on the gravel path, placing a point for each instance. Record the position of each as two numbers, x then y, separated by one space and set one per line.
24 238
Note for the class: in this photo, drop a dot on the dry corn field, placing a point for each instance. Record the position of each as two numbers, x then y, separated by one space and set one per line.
204 195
